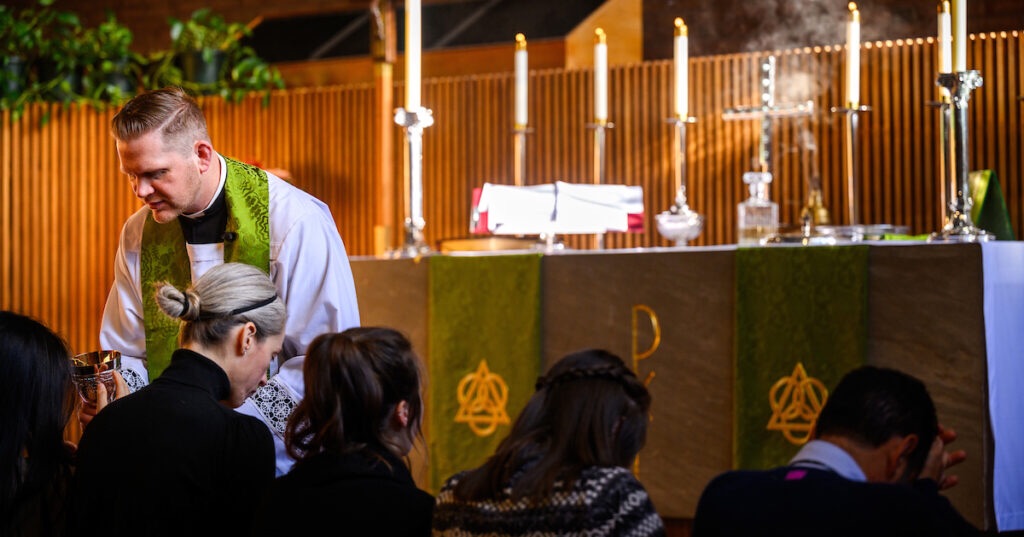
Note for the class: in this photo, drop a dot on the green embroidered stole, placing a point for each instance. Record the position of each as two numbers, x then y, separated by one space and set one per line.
164 257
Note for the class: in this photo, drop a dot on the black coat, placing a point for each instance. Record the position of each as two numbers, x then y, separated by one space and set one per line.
798 502
172 460
354 494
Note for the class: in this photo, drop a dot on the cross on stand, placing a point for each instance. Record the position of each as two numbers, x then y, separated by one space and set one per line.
767 112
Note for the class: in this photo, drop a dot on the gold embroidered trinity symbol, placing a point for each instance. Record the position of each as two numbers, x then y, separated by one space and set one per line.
796 401
482 397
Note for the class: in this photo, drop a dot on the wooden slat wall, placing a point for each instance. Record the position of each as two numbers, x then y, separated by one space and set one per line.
62 200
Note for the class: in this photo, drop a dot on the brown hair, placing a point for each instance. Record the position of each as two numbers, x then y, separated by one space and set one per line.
170 111
354 380
589 410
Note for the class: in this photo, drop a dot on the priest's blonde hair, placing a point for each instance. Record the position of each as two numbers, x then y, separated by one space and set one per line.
170 111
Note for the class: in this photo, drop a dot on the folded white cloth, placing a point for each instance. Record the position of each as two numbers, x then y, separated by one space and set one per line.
583 208
560 208
517 210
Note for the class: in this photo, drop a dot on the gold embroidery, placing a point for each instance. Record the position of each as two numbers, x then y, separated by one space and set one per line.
483 397
637 356
796 401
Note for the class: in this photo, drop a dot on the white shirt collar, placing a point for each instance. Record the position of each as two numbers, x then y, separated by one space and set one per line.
220 186
818 453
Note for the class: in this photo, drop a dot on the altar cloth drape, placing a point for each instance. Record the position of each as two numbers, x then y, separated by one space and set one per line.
1004 341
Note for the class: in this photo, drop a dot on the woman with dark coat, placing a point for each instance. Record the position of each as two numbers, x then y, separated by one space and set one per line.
360 416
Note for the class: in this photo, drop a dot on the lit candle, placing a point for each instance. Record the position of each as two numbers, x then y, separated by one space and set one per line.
959 35
522 73
413 55
853 58
600 76
945 39
682 59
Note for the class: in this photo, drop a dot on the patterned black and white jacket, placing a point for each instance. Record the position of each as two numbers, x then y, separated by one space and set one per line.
604 501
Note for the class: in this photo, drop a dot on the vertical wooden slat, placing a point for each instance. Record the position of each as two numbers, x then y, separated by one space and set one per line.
62 200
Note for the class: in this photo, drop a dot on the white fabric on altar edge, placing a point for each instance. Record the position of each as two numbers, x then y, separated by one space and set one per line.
1003 264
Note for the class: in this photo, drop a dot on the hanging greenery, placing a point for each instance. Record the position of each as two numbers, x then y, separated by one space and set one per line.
47 56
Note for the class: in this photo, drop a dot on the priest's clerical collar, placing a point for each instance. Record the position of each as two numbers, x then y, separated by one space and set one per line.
207 226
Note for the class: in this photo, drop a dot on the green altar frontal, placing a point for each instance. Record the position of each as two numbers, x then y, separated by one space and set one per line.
724 337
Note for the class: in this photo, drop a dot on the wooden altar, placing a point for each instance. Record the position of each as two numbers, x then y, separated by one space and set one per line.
925 308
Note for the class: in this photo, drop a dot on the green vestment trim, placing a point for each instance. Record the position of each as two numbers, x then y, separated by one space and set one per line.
164 257
794 306
484 341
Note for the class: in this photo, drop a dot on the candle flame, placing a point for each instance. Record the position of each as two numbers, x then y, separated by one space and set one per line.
599 36
944 6
520 42
854 13
681 28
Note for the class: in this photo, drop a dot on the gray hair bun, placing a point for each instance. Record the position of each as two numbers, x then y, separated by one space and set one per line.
179 304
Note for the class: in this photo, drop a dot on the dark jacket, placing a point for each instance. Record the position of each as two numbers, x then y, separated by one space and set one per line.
170 459
799 502
353 494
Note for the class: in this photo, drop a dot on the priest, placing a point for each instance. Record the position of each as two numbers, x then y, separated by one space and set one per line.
203 209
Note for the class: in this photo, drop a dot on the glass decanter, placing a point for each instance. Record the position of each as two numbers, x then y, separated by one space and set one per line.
758 216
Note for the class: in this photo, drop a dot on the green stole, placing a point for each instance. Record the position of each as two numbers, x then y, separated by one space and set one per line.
164 257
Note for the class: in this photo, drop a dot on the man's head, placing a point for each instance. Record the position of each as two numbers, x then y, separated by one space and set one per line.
165 150
886 412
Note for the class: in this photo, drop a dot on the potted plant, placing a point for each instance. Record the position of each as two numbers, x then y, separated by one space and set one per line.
210 58
113 70
23 37
248 72
62 56
202 43
12 64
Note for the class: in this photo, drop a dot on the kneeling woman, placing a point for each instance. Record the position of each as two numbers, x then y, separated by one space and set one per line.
360 416
175 458
564 467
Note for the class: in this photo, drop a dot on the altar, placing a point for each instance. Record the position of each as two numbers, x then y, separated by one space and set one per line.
672 312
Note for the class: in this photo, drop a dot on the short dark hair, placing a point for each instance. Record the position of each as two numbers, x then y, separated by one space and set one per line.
873 404
353 381
589 410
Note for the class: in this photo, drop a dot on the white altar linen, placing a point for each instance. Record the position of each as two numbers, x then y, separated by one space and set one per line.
1003 264
559 208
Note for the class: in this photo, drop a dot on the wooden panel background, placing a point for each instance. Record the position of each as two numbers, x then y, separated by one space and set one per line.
62 200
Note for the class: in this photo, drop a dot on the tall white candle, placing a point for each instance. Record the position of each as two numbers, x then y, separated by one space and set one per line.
522 74
853 57
945 39
682 60
959 35
600 76
413 55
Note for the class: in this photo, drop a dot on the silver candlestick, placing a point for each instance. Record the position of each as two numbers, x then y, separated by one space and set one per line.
851 113
413 121
680 223
959 226
600 172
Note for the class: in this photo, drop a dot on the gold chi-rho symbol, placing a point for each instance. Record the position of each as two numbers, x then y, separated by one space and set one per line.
483 398
796 401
